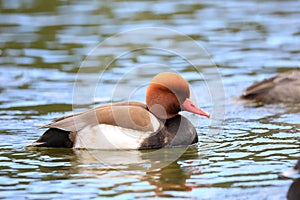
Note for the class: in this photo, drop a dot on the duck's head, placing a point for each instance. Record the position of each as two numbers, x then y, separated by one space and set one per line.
167 94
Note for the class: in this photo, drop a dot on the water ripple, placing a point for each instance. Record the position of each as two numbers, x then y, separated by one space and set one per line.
43 44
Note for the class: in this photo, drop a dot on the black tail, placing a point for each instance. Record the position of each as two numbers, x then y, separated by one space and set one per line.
54 137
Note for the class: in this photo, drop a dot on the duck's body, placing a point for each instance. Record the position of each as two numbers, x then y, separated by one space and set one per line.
284 87
293 173
130 125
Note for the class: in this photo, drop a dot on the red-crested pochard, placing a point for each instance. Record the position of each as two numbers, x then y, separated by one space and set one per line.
130 125
285 87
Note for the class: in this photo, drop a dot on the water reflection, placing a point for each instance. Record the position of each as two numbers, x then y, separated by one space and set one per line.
172 176
146 160
43 43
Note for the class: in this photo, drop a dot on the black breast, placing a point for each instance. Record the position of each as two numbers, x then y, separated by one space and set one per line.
177 131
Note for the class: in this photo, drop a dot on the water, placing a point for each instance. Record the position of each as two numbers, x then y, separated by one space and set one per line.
241 151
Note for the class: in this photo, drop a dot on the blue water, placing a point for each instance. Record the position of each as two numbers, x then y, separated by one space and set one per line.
59 57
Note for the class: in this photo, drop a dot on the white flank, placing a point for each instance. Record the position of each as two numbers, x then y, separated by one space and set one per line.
155 122
290 173
103 136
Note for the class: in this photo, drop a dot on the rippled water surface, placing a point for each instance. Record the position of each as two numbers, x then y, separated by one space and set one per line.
241 149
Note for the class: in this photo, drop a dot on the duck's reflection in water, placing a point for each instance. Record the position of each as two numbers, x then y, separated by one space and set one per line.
159 168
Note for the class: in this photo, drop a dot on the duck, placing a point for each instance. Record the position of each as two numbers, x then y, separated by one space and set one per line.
130 124
293 173
283 88
293 192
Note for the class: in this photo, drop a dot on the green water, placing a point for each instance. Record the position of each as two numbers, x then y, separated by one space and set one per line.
242 148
